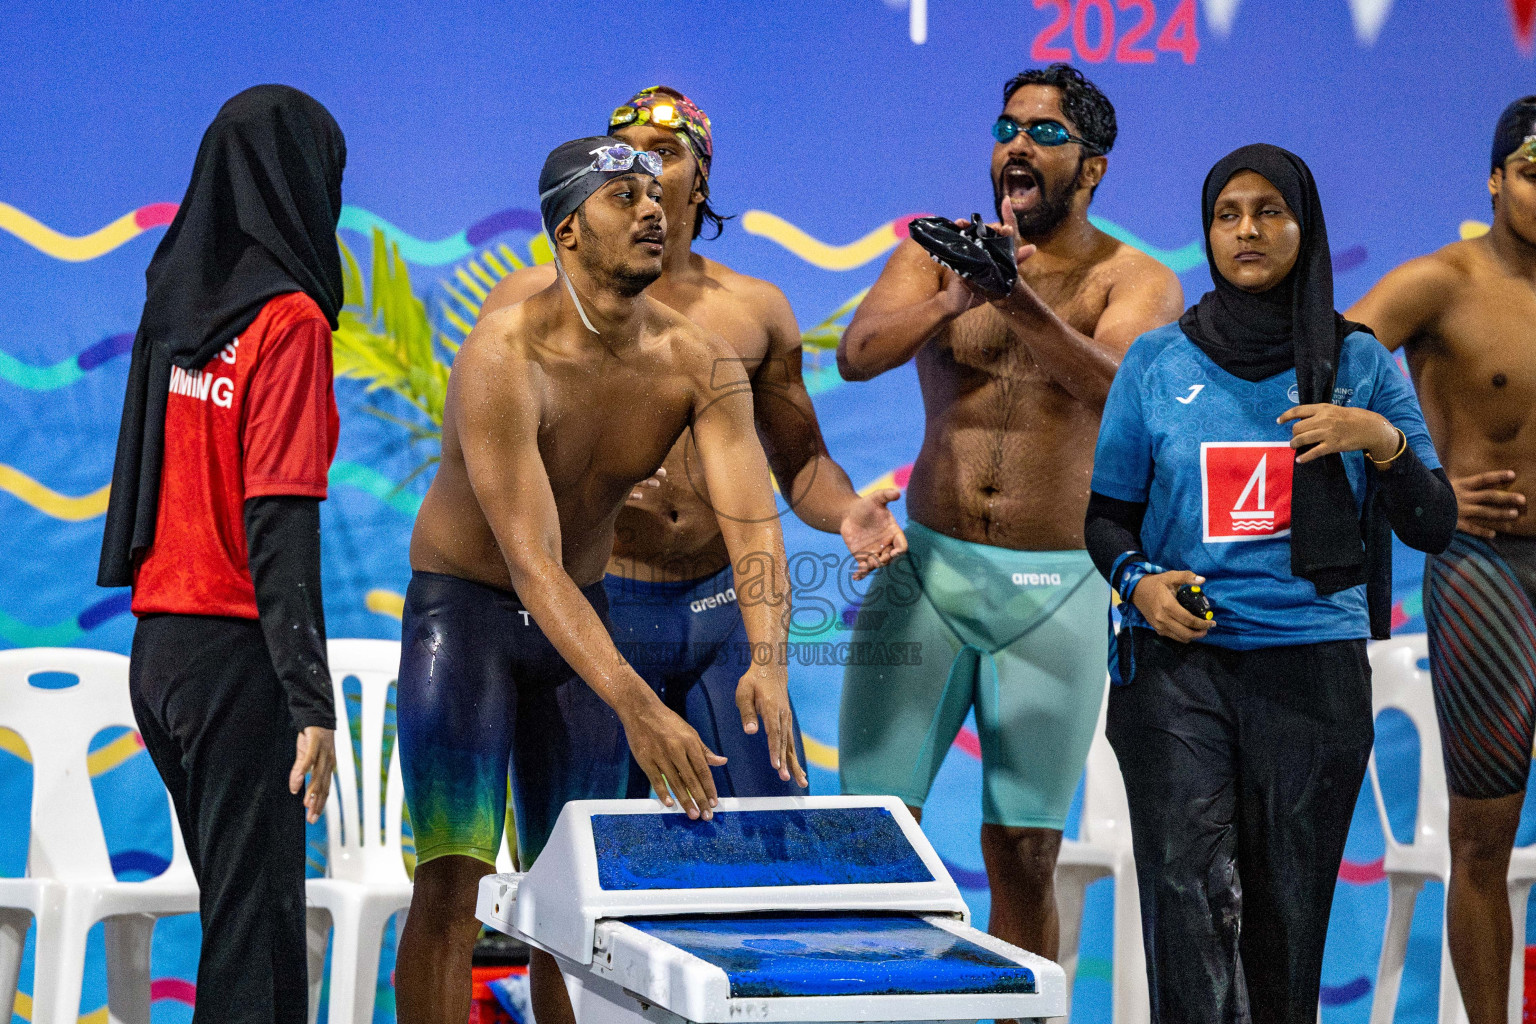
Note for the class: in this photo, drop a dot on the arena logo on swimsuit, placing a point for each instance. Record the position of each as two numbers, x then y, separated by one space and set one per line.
1037 579
1245 490
713 600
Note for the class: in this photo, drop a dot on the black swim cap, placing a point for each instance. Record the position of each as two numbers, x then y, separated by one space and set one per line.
568 179
1516 123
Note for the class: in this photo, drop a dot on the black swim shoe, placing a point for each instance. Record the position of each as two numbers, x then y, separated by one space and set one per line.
982 256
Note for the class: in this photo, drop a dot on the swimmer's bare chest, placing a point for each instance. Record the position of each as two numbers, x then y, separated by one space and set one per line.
599 434
1476 377
1007 452
672 533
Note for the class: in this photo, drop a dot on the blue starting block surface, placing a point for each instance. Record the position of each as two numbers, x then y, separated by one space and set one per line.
801 846
774 955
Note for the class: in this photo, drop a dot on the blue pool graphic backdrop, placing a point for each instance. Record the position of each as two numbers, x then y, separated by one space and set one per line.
833 127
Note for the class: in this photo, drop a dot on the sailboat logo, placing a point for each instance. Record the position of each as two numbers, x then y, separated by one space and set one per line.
1259 518
1246 490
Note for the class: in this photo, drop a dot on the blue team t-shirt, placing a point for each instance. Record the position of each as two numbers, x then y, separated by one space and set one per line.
1202 449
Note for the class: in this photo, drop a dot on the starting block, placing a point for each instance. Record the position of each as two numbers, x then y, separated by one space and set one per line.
779 909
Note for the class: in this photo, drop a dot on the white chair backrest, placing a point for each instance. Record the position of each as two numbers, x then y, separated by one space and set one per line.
57 725
1106 817
1398 682
363 824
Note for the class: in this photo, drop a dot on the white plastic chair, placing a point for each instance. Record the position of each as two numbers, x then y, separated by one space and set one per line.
1103 847
69 885
365 882
1398 682
1522 875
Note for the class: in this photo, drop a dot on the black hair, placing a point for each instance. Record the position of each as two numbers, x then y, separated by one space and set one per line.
709 213
1087 108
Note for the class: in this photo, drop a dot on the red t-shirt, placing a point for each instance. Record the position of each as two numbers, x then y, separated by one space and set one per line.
259 419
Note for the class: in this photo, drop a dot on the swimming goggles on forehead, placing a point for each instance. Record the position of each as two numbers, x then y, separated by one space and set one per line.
622 158
664 114
1042 133
618 157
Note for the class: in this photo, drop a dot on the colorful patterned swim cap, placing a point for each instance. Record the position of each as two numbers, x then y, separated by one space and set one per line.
667 108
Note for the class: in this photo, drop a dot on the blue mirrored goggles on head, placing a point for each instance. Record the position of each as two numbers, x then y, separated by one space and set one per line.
1042 133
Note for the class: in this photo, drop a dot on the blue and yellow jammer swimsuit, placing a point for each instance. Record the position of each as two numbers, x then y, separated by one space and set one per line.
1010 634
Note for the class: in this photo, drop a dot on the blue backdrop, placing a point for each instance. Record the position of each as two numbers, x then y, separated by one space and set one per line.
831 125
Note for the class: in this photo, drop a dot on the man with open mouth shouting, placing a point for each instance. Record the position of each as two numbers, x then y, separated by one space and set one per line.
997 587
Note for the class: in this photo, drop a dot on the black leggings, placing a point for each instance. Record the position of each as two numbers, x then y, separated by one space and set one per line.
215 721
1242 769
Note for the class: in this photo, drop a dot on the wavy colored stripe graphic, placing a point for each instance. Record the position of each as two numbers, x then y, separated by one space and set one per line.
89 506
1097 968
66 633
1338 995
412 249
1362 873
385 602
10 742
139 862
159 988
50 502
370 481
97 762
65 371
23 1009
884 238
897 478
176 989
819 253
79 248
444 250
967 742
822 755
1348 259
1185 257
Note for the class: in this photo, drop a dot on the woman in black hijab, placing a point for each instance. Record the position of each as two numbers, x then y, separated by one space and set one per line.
228 430
1254 456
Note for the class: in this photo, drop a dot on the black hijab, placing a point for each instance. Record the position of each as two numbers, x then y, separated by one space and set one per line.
258 220
1255 336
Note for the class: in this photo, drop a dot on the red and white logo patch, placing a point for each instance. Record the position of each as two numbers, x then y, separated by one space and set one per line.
1245 490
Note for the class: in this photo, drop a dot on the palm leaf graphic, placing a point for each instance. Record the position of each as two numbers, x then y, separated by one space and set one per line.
825 335
385 339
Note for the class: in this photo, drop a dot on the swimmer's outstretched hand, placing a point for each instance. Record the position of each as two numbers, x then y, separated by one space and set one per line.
764 694
672 756
316 758
871 532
